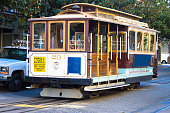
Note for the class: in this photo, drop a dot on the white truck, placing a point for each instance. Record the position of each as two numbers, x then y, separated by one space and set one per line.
13 67
164 58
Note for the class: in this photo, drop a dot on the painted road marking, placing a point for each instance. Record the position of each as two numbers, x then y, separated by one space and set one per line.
164 102
162 109
31 106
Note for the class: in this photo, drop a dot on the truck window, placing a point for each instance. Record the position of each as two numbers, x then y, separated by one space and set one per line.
13 53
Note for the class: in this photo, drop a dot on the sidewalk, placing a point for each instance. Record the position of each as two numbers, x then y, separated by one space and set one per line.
166 65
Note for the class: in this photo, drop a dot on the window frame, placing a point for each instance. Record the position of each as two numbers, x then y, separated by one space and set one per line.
49 41
141 40
148 43
105 13
33 23
152 60
135 45
125 46
69 23
153 44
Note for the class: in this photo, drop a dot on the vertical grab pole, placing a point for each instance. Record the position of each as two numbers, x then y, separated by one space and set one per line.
149 42
128 44
90 53
117 51
111 48
156 45
101 46
120 47
156 55
27 57
108 48
75 42
98 50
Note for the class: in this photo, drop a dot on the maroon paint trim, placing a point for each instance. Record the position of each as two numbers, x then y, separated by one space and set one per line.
86 41
30 36
66 35
86 34
46 36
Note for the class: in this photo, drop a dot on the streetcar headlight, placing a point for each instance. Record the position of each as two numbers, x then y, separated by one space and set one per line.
4 70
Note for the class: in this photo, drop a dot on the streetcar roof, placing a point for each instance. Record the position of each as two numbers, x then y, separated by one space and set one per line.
101 7
82 15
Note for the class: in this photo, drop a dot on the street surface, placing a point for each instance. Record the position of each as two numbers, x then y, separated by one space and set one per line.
151 97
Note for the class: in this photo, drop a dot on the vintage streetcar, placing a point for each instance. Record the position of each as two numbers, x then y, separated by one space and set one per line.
88 48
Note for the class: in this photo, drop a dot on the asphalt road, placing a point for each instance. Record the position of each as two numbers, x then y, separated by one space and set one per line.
151 97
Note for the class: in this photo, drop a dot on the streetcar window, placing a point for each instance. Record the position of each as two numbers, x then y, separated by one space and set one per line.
89 42
102 15
56 36
103 44
114 42
145 42
121 37
76 41
139 41
152 43
94 14
131 40
39 36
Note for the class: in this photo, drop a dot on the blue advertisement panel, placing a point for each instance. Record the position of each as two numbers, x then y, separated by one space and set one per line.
142 60
74 65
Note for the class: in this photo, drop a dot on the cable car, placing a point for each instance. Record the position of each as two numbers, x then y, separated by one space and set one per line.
89 48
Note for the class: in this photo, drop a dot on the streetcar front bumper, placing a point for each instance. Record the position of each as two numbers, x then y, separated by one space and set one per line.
56 82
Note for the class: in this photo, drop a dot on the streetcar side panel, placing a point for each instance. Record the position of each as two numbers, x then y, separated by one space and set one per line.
58 64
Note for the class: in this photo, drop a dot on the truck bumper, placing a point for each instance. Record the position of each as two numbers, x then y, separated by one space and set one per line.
5 78
59 81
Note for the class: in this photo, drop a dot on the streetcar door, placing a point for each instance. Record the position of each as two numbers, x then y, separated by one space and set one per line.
121 50
102 55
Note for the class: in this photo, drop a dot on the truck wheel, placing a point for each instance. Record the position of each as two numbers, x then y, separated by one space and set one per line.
16 82
163 62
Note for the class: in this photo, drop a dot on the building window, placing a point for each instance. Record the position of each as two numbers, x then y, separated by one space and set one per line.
131 40
39 35
145 42
56 35
152 43
139 41
76 39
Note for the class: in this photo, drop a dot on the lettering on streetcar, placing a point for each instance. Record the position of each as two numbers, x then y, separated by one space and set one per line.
39 64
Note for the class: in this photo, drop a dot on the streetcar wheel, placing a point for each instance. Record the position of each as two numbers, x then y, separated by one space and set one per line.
137 85
94 94
89 94
16 82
